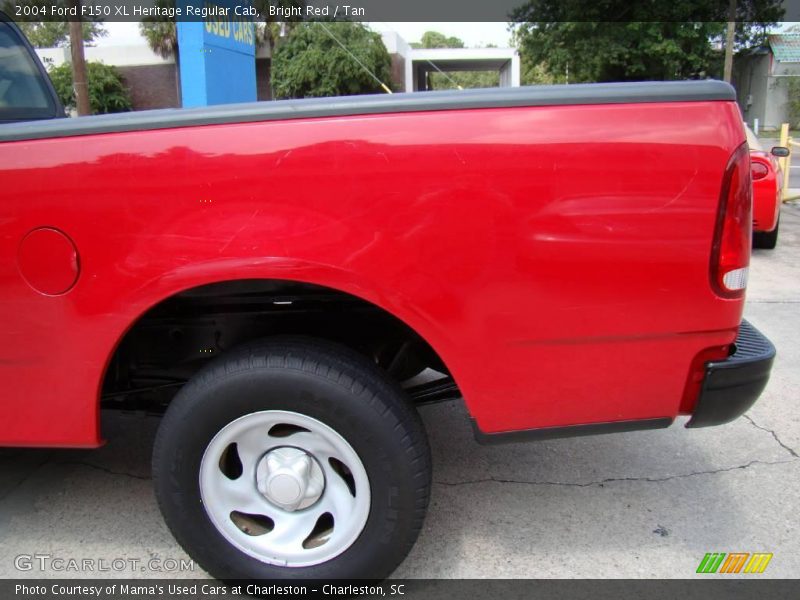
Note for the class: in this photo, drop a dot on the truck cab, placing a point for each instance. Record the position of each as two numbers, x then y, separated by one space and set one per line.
26 92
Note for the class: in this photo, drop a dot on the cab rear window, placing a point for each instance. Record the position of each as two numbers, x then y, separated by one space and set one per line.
24 95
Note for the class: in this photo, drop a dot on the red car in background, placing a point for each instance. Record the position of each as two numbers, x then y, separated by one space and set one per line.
767 191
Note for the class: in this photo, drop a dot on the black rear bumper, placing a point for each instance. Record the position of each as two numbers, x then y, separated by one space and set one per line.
731 386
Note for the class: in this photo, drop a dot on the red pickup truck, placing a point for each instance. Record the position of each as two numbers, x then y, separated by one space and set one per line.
570 260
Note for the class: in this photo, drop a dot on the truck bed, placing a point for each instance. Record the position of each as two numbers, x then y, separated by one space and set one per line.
551 245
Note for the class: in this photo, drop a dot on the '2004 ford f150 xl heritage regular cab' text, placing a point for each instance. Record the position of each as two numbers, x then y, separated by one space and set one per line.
568 259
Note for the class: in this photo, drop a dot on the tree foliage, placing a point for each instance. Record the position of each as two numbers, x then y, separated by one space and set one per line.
793 99
161 36
537 73
49 34
312 63
619 40
107 90
434 39
596 51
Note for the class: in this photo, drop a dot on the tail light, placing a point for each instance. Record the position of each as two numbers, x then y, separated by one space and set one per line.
758 170
730 253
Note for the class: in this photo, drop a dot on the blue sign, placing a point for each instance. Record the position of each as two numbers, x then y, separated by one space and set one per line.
217 54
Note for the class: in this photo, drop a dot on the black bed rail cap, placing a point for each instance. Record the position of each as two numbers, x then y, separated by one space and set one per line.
544 95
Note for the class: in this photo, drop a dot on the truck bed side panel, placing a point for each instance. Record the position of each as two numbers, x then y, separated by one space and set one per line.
556 257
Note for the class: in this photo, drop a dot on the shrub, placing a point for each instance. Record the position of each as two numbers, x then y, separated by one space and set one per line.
107 90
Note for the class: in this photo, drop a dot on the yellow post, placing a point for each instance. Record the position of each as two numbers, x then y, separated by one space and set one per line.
786 170
786 142
786 196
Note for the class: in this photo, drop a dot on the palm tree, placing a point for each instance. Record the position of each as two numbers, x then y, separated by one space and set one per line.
162 37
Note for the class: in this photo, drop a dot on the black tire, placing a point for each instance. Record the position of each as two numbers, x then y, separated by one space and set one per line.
766 240
326 382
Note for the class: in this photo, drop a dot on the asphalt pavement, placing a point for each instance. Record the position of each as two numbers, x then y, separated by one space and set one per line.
794 177
645 504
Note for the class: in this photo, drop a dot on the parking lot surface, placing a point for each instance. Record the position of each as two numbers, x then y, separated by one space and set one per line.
647 504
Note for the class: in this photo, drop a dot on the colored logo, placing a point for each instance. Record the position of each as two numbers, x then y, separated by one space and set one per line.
735 562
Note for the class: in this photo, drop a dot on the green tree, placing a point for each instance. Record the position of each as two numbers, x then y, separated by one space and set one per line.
49 34
434 39
793 95
162 37
330 59
536 73
617 40
107 90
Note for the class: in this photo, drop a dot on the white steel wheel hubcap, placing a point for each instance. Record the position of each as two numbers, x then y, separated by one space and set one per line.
284 488
289 478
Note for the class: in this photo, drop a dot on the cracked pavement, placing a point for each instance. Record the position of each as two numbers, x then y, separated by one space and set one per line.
643 504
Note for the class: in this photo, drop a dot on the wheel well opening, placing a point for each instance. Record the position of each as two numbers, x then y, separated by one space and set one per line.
175 338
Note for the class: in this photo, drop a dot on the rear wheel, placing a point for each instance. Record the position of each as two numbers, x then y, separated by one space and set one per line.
292 458
766 239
